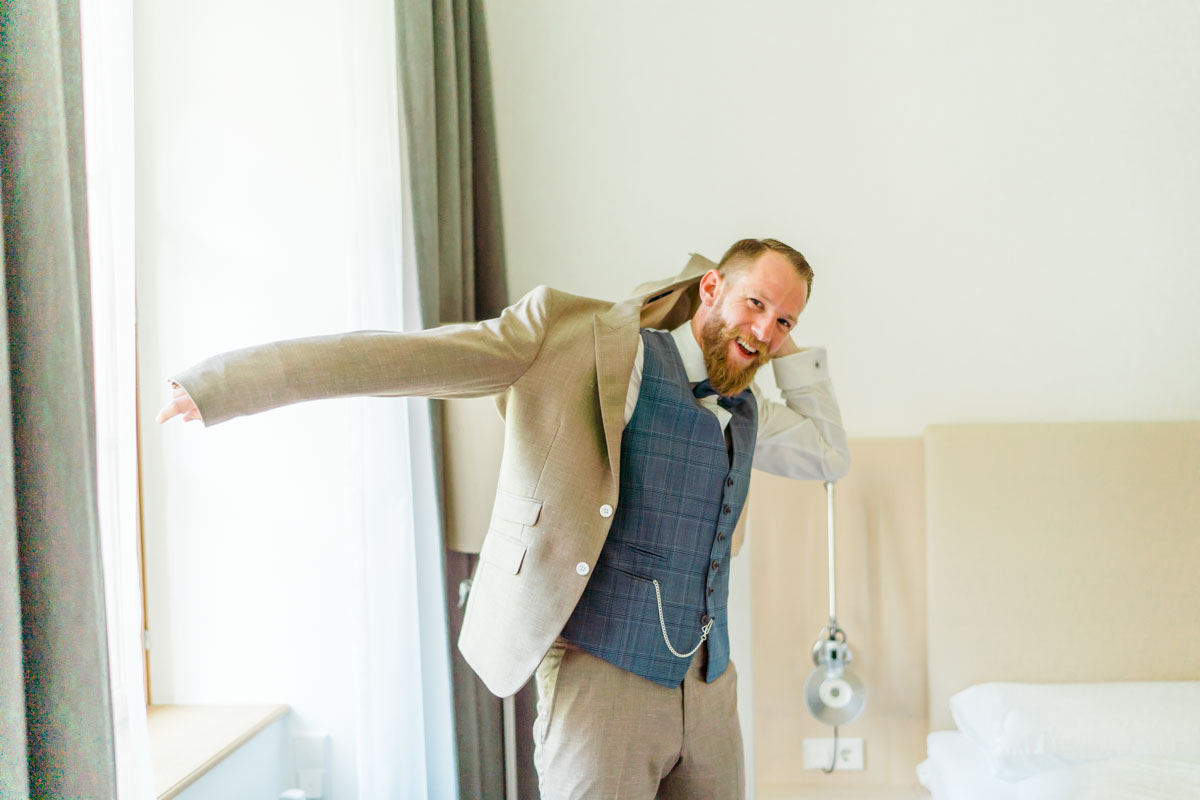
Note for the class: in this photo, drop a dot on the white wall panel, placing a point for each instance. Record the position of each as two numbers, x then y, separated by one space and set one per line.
1000 200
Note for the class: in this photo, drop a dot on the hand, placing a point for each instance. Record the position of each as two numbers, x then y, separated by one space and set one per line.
786 348
181 403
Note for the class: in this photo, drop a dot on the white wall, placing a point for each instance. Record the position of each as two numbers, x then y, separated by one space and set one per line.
1000 200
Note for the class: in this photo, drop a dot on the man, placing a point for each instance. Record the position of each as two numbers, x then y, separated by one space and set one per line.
630 431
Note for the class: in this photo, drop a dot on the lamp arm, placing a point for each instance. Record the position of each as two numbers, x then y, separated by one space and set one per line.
832 576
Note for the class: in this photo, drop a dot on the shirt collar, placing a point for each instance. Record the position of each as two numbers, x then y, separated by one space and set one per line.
690 353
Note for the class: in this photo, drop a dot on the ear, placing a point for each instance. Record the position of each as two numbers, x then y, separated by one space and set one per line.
710 288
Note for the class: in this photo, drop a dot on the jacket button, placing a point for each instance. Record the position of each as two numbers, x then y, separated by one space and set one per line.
582 568
606 510
716 565
729 481
710 591
704 619
728 510
720 537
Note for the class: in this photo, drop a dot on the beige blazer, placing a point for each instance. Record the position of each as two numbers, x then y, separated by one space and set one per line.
560 368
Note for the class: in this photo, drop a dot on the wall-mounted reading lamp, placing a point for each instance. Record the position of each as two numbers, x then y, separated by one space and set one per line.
833 693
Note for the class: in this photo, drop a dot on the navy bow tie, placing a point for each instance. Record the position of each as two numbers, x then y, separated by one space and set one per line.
704 389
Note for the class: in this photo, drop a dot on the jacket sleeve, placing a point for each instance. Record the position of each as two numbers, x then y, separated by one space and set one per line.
462 360
804 437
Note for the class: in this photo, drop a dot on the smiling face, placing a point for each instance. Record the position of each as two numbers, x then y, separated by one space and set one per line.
745 317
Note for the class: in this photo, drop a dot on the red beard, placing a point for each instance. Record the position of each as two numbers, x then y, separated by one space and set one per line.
727 378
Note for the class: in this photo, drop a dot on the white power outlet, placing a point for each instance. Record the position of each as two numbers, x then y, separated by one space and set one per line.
311 754
818 754
312 783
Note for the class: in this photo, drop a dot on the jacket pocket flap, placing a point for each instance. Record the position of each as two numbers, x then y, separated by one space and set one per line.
503 552
514 508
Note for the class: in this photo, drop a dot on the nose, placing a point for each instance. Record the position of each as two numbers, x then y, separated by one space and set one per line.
761 328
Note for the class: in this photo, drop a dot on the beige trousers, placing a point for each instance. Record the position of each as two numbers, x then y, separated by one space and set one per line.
603 732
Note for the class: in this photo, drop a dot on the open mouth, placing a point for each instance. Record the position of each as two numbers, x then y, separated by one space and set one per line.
747 350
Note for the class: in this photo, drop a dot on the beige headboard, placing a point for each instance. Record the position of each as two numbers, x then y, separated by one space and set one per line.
1061 552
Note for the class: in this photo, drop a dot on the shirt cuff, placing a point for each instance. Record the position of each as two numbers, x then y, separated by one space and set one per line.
801 369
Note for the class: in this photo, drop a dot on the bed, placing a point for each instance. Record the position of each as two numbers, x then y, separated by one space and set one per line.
1063 611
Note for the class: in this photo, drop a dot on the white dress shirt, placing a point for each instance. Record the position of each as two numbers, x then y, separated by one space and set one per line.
802 439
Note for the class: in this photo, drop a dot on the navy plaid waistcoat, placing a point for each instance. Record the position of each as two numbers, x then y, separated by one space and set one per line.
680 499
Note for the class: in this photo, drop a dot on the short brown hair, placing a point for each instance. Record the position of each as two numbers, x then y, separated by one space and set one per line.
745 252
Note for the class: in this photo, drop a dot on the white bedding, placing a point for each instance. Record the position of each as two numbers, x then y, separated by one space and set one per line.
959 770
1028 728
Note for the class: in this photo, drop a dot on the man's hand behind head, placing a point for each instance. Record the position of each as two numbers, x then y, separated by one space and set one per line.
788 348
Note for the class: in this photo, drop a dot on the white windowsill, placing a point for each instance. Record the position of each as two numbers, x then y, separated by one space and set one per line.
188 741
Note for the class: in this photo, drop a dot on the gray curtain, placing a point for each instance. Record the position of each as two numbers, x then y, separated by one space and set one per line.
447 101
454 189
55 710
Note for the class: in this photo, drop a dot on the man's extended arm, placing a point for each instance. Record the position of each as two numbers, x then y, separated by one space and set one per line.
466 360
805 437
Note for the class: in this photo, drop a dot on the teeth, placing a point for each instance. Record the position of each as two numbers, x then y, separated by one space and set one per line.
746 345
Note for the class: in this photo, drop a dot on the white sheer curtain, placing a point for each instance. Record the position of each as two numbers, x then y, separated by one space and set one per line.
405 708
107 42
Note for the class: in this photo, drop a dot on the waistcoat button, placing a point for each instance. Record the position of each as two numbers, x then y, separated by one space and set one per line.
728 509
720 537
729 481
606 510
582 568
716 565
704 619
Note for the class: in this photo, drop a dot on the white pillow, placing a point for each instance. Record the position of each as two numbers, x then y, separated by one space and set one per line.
929 776
1027 728
958 770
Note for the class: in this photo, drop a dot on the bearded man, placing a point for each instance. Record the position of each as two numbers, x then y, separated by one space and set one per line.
630 431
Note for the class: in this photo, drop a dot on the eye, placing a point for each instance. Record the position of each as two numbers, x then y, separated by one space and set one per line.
783 323
754 301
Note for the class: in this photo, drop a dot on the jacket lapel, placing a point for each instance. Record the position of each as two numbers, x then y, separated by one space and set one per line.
663 304
616 332
668 304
